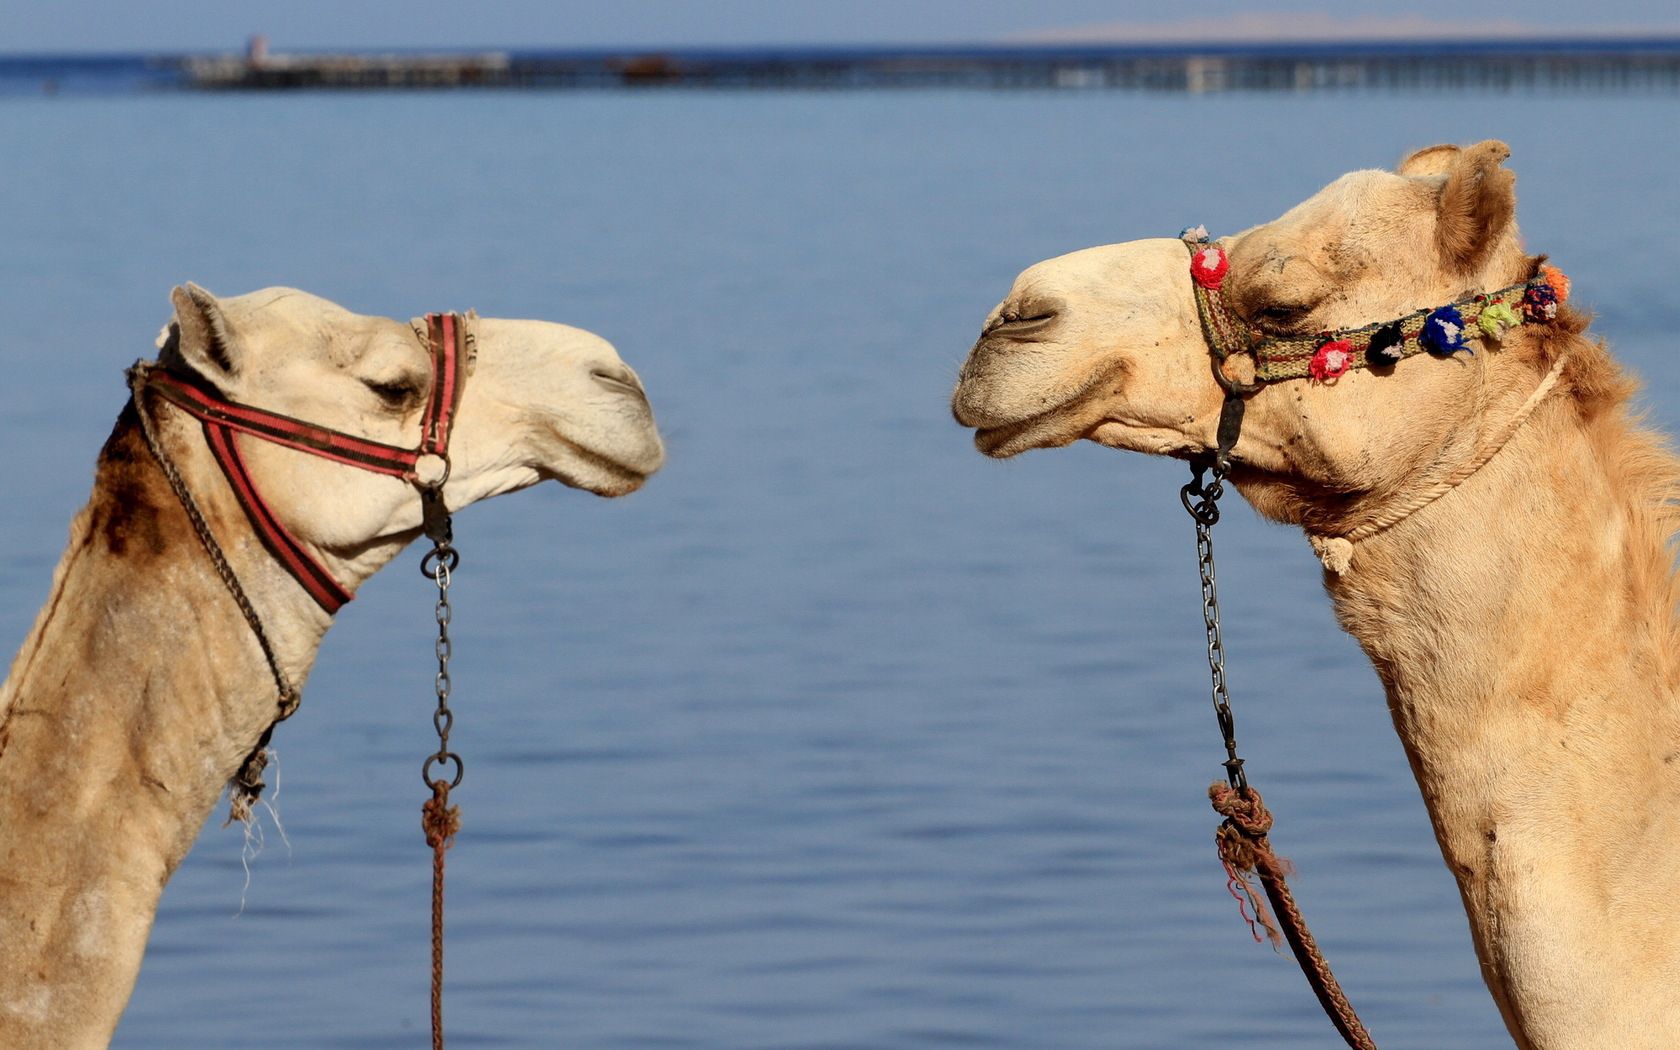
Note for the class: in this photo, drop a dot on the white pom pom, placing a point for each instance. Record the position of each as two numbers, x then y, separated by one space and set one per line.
1336 552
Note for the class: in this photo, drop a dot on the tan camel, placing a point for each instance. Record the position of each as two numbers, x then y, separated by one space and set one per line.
141 689
1523 623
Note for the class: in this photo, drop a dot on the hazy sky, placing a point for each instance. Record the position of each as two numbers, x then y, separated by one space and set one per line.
52 25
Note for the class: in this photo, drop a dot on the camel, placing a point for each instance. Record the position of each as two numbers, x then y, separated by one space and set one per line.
142 689
1495 525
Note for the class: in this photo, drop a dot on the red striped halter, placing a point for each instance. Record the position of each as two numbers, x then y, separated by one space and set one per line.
447 341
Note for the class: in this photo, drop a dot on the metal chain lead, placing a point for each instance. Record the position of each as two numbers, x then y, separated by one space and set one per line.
436 566
1202 501
442 560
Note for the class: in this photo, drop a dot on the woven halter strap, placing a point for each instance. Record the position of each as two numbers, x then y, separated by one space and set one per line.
1376 346
447 341
1441 330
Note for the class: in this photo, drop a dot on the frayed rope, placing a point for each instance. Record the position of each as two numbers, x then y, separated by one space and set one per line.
1243 849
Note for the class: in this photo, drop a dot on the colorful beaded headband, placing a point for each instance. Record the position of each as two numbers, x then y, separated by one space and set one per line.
1323 358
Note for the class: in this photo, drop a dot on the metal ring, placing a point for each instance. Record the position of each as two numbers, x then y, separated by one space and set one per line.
449 557
1205 511
444 757
1233 386
1184 495
434 485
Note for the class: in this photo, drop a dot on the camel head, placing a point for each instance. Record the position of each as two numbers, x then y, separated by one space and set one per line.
540 401
1106 344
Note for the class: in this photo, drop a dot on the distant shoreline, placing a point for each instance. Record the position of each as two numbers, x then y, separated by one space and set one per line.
1613 63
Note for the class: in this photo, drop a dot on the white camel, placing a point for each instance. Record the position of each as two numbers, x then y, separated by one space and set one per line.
142 689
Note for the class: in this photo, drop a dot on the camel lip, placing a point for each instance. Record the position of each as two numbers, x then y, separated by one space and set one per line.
984 420
623 477
1002 438
996 441
1001 441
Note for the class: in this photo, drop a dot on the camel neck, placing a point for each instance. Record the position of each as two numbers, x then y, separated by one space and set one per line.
1522 627
1336 549
1456 600
136 695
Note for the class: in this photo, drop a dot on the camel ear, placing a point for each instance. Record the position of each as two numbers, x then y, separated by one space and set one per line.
1476 205
1430 160
199 335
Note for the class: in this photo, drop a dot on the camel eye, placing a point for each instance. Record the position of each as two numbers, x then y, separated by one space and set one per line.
1282 315
397 393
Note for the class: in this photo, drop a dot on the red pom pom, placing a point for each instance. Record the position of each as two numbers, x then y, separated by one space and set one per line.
1332 360
1208 266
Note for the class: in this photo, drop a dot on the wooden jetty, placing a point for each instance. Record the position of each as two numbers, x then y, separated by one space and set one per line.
343 71
1648 64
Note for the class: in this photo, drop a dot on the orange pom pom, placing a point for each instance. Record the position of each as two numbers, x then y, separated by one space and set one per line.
1556 278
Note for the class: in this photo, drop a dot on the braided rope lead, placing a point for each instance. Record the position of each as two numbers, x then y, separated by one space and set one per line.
1244 848
441 821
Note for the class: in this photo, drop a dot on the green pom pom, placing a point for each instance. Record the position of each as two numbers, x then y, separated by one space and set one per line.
1496 318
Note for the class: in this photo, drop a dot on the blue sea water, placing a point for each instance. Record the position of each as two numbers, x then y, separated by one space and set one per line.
837 735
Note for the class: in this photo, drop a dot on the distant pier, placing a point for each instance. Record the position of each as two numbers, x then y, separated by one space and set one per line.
1641 65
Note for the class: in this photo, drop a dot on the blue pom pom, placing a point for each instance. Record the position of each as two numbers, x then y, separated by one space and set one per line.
1443 332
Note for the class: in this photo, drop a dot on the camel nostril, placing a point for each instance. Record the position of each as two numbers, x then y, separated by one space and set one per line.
617 379
1025 316
1026 328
